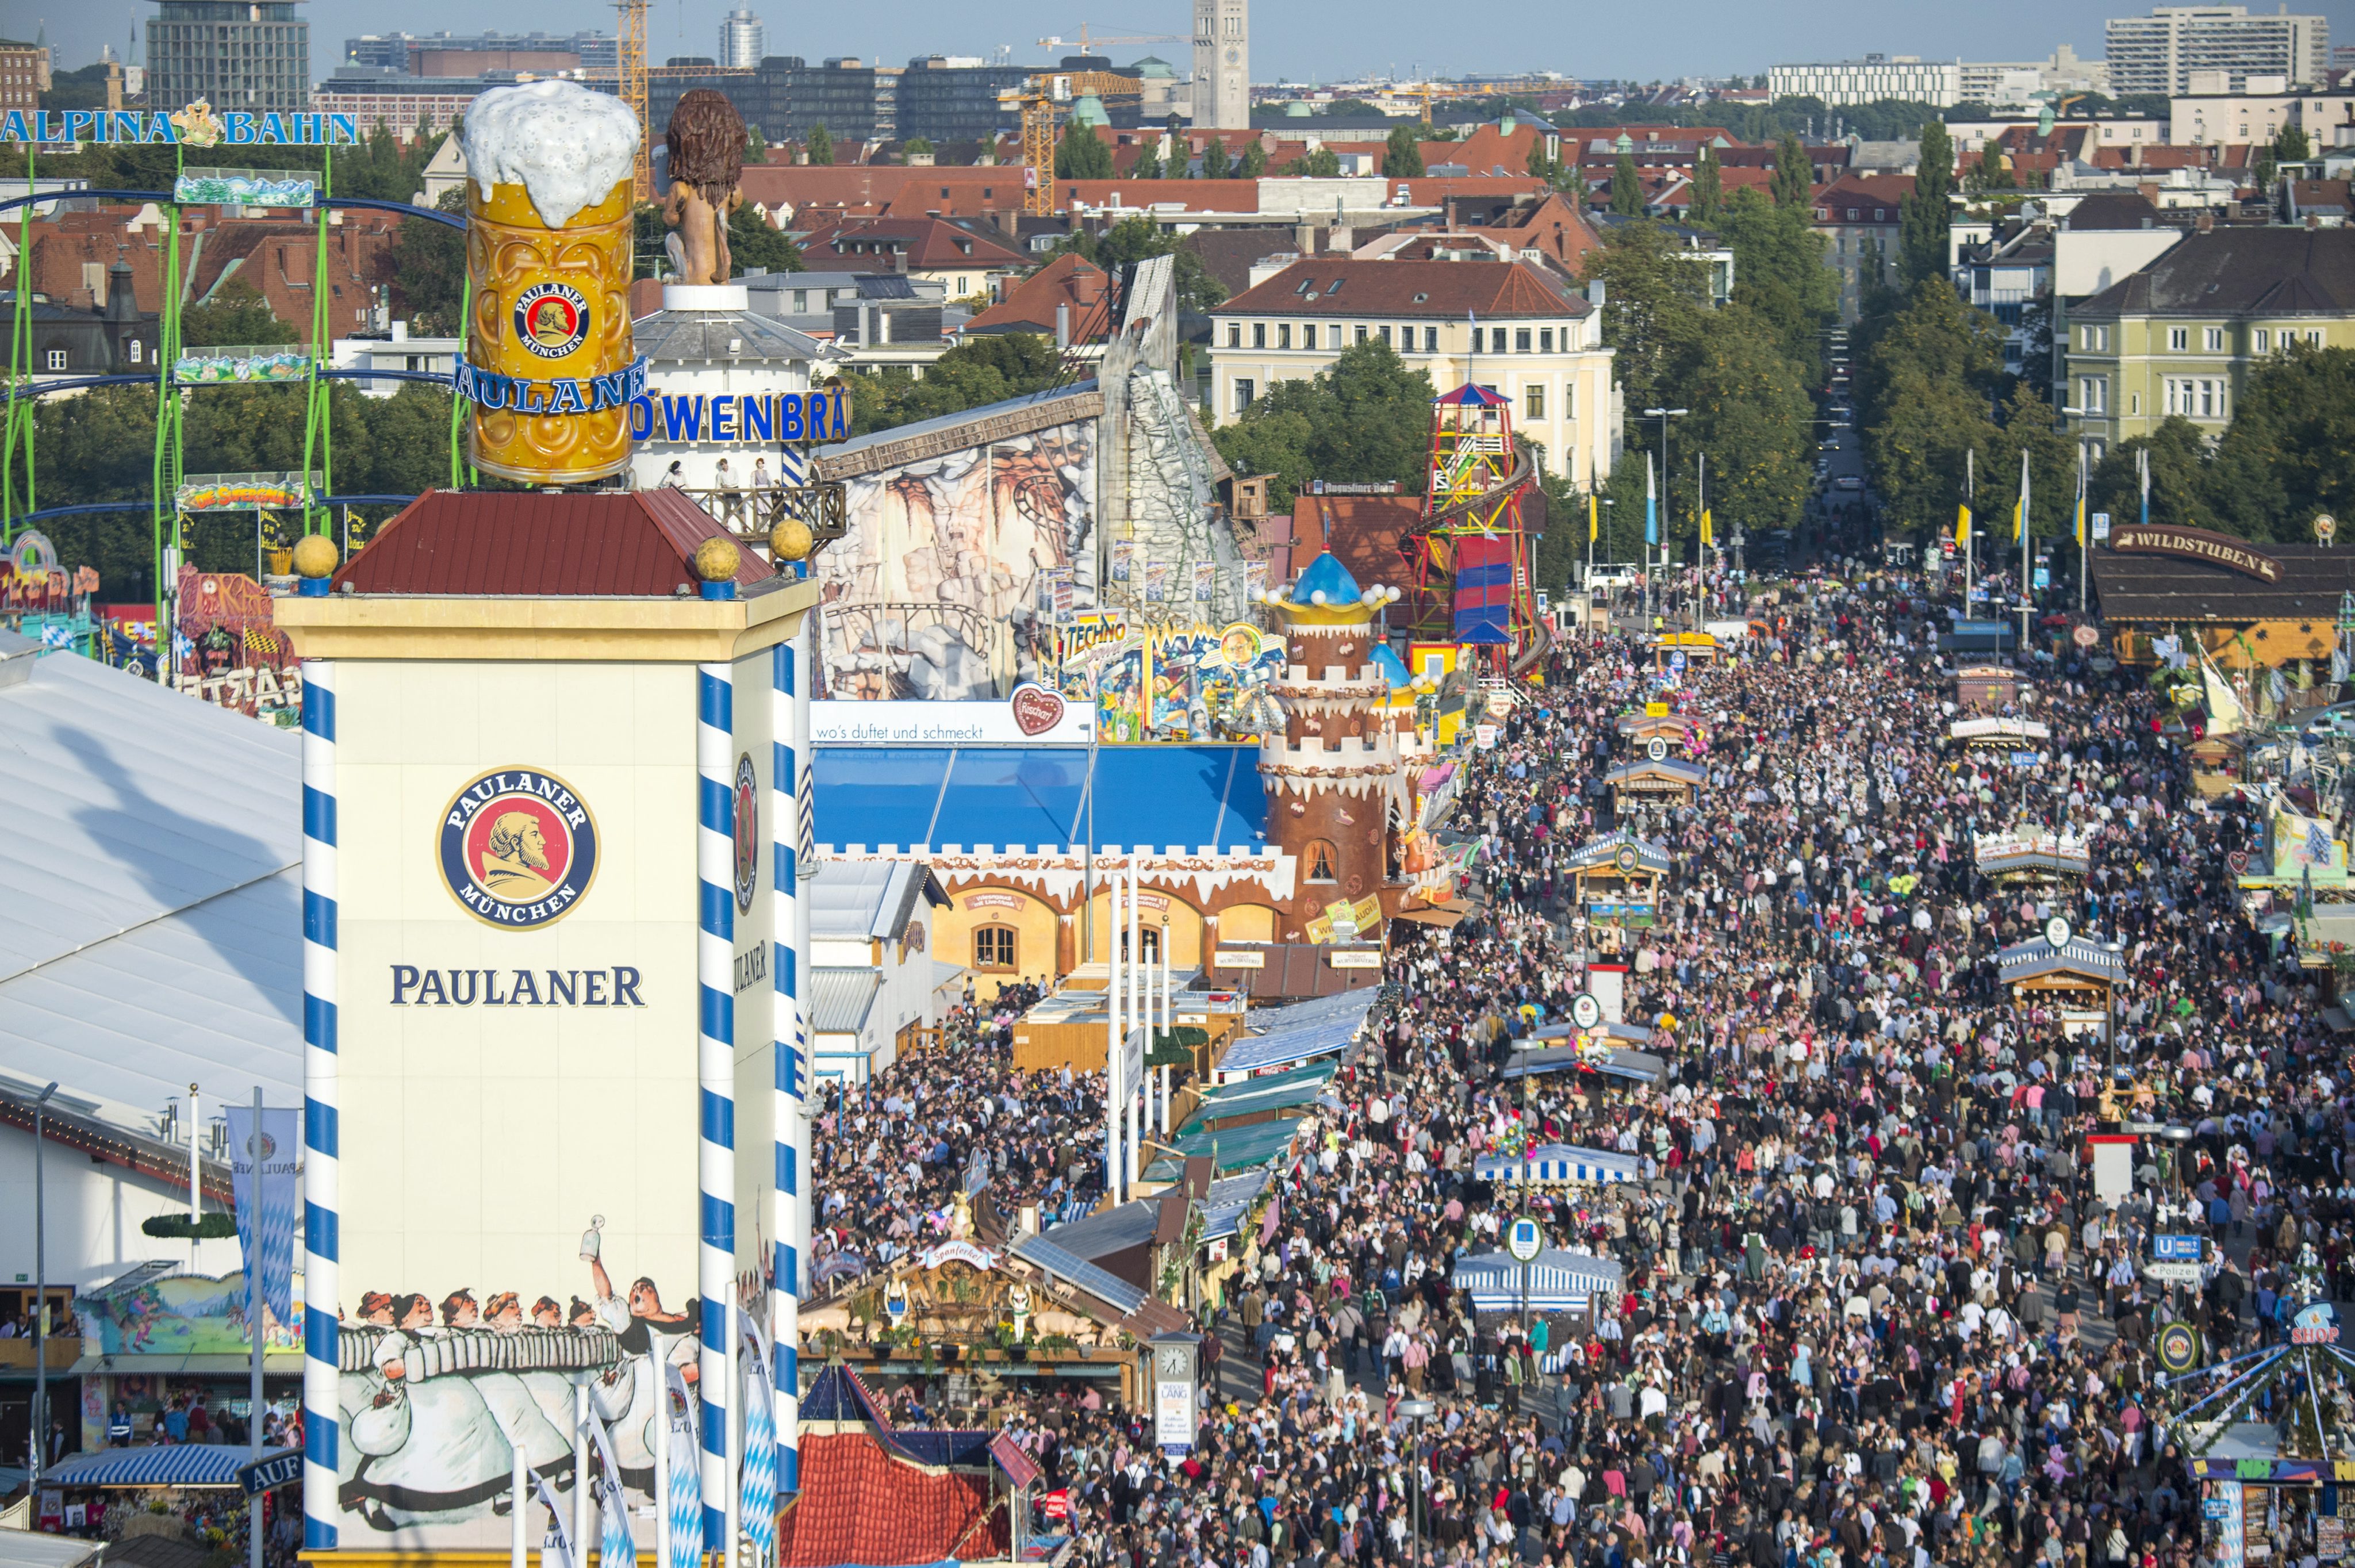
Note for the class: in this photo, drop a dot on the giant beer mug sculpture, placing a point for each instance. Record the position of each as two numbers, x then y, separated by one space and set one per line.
549 365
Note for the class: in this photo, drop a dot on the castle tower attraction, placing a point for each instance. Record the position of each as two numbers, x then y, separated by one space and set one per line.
555 746
1334 776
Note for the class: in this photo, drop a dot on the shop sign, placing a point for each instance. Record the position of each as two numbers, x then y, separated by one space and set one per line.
194 126
2200 544
959 1251
1355 958
720 418
1239 958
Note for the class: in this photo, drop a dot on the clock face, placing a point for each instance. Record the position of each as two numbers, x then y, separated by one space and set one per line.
1172 1362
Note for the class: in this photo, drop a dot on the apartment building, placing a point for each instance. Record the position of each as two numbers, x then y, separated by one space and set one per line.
253 56
24 74
1860 216
1871 80
1510 326
2157 53
2241 119
2178 336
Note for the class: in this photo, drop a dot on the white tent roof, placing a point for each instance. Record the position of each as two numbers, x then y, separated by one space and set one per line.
151 903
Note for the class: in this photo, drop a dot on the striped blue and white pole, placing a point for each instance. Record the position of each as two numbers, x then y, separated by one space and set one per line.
792 1066
715 941
322 1409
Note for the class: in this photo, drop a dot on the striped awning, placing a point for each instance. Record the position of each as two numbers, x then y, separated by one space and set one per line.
1558 1162
1559 1281
157 1464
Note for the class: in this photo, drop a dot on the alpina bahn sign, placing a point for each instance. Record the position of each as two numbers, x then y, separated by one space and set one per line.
195 126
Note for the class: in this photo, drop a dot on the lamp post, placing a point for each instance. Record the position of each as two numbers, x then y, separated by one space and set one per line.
40 1284
1664 416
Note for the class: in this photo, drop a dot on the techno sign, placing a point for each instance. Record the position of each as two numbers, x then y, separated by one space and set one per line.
518 848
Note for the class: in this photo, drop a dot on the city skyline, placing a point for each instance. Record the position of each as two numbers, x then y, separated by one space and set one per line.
1288 43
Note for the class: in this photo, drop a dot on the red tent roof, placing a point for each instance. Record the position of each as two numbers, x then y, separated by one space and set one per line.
527 543
857 1504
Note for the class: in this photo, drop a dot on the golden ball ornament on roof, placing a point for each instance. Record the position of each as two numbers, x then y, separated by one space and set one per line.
791 539
315 555
716 559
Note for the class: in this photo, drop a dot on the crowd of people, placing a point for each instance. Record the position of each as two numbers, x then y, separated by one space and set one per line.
1874 1314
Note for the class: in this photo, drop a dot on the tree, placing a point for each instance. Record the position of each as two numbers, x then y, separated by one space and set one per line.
1926 371
1081 154
755 241
1655 304
1626 189
1146 164
820 145
980 370
915 147
425 267
2027 426
1135 239
2283 458
2292 145
1794 177
1779 272
1990 172
1215 166
2179 478
1708 190
1927 210
1318 164
1402 154
1750 415
1365 418
1253 163
756 146
236 313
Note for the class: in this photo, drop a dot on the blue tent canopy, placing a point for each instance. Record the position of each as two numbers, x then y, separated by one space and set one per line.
1042 799
1303 1042
1558 1162
157 1465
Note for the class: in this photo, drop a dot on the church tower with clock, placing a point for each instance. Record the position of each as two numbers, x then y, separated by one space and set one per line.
1222 65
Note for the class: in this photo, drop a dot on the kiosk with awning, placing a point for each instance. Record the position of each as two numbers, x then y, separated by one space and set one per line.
1985 688
1671 780
1558 1165
1674 650
2033 856
2000 734
1659 734
1562 1285
1617 878
2077 975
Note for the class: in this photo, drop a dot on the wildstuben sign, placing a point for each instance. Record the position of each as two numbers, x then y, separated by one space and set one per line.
2199 544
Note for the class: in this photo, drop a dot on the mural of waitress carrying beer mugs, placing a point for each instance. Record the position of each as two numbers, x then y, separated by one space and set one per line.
548 256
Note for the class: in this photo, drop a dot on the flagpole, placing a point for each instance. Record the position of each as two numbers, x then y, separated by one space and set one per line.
254 1504
2084 545
1700 555
1970 500
2027 575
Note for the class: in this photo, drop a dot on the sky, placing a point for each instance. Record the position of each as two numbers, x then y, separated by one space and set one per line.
1290 40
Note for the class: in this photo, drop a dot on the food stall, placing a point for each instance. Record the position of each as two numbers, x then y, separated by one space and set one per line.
1617 877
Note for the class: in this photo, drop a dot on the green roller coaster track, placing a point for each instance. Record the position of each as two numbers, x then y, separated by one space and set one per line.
23 393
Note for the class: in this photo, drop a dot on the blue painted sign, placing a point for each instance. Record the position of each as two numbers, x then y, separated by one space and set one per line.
717 418
2176 1249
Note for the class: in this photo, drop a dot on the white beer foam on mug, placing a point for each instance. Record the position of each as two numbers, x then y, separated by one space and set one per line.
566 144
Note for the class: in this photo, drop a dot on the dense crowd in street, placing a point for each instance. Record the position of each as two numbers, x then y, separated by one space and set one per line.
1874 1312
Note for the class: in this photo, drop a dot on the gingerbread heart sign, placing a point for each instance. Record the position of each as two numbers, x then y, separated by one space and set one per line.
1036 709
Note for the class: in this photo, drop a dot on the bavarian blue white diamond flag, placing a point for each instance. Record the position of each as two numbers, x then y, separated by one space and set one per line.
267 1187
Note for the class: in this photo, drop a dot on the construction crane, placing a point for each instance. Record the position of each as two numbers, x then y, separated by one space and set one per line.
1089 46
633 84
1037 99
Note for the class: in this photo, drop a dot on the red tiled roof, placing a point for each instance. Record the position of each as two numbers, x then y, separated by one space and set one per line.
633 543
1029 306
1448 289
857 1504
1866 193
852 243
